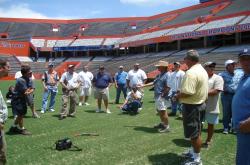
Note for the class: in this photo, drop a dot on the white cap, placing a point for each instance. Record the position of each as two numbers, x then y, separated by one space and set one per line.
229 62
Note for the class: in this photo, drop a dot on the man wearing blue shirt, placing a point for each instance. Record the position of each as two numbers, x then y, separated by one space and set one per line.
161 89
120 84
101 82
231 79
241 111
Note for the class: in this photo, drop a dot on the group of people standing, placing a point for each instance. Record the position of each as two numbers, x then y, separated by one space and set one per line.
195 93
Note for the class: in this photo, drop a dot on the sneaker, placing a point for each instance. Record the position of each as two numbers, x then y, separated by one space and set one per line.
139 109
187 154
15 117
192 162
233 131
14 130
61 117
97 110
42 111
172 114
108 111
25 132
225 131
87 104
71 115
80 104
35 115
180 116
164 129
207 144
160 125
52 110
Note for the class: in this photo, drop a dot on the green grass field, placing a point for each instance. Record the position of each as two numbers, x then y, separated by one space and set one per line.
123 139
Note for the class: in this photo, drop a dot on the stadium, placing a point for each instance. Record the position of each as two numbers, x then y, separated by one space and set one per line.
217 29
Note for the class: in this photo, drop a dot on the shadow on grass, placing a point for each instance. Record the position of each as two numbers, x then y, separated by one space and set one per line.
92 111
144 129
181 142
165 159
56 115
215 131
152 101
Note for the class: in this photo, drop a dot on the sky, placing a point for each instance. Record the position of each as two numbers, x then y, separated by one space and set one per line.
80 9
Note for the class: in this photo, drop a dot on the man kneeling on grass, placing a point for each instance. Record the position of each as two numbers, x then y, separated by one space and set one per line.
19 101
132 102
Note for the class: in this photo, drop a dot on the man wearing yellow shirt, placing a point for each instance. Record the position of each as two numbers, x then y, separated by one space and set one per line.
193 94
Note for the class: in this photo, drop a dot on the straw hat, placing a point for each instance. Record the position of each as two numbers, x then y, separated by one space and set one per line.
162 63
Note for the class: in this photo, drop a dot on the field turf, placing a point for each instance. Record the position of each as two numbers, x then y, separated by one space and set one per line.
123 139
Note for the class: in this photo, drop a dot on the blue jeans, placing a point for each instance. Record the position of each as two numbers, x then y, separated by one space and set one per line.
243 151
175 104
121 88
52 91
226 100
132 107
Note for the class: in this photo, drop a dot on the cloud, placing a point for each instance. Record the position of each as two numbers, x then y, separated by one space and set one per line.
158 2
19 11
24 11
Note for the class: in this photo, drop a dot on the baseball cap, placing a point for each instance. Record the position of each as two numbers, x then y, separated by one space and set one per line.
121 66
71 66
137 63
177 63
51 64
209 63
245 52
229 62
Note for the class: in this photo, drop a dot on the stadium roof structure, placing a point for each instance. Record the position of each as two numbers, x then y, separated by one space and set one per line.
210 18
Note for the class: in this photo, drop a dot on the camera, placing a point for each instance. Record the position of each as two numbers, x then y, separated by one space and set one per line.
63 144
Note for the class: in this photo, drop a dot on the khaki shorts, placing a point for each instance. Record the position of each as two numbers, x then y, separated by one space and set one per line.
161 104
101 93
85 91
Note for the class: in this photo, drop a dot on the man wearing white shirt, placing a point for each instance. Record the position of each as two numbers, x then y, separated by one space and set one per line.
136 77
176 79
85 78
4 70
70 84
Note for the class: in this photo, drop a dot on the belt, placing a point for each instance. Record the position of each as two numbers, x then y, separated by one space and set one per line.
228 93
51 84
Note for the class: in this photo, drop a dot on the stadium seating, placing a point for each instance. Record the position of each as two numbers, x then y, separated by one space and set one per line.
185 29
235 48
21 31
63 43
246 20
85 59
101 58
222 23
24 59
189 16
4 27
41 59
111 41
156 34
236 6
51 43
38 42
87 42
